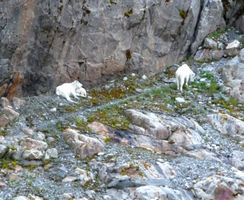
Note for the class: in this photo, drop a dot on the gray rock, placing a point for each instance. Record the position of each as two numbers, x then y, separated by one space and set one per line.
162 133
211 18
7 115
89 40
207 55
5 102
32 144
210 43
240 23
241 57
233 76
32 154
216 186
3 150
238 159
82 145
227 125
154 192
51 154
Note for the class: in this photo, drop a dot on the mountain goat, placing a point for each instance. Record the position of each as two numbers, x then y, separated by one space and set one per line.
183 75
74 89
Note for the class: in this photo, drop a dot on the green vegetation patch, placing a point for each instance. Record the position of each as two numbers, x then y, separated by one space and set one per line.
132 170
182 13
112 116
216 34
8 164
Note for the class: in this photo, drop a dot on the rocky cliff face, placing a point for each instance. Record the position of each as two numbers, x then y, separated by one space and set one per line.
45 43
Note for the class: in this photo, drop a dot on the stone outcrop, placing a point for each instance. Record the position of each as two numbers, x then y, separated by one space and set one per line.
46 43
82 145
233 76
228 125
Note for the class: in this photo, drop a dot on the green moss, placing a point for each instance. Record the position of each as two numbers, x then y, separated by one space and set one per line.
3 132
182 13
8 164
112 116
131 170
216 34
107 140
128 13
81 124
61 126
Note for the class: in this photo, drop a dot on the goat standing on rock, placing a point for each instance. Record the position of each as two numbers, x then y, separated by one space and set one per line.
183 75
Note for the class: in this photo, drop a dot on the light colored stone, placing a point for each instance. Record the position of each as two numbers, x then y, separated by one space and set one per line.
233 75
167 170
21 198
160 193
233 45
215 186
227 125
210 20
32 154
99 128
180 100
32 144
5 102
3 150
10 113
210 43
241 57
51 154
237 159
18 103
82 145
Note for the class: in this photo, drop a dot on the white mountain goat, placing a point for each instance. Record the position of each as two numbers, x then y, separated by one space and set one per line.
74 89
183 75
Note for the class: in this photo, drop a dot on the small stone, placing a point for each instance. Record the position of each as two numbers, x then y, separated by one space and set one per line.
144 77
53 109
125 78
51 154
20 198
69 179
133 74
32 154
67 196
180 100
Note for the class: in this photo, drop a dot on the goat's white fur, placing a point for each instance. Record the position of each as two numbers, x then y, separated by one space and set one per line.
183 75
74 89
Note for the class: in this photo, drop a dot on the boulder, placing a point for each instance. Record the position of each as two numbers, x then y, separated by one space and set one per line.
162 133
233 76
233 45
162 193
82 145
32 144
227 125
219 187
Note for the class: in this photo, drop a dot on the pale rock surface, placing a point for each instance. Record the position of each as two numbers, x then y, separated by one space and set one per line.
217 187
82 145
233 76
227 125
